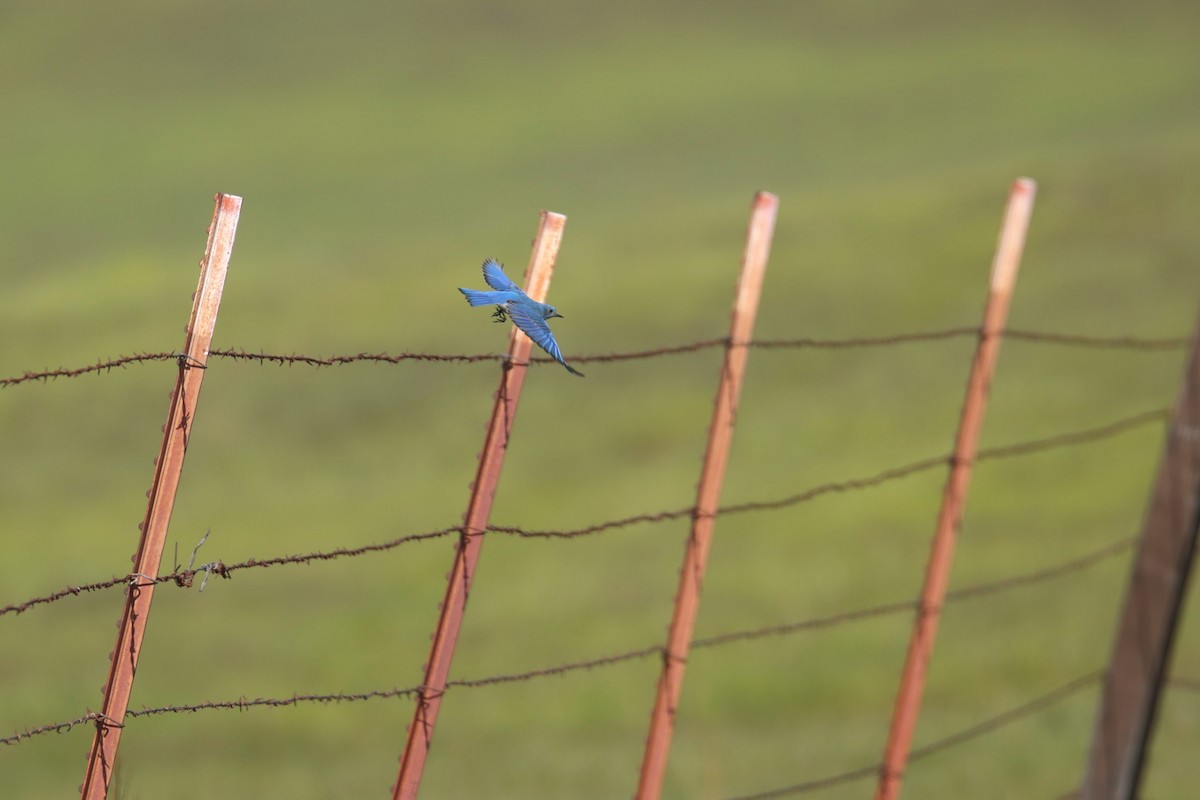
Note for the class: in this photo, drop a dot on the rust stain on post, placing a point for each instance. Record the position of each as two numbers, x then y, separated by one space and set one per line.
937 573
168 466
458 586
691 575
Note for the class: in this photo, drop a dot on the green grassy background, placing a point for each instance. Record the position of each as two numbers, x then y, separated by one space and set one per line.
383 151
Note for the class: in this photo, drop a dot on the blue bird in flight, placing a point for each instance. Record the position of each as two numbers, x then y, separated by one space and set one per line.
526 313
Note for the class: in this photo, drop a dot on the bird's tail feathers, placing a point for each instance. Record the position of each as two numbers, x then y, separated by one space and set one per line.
477 298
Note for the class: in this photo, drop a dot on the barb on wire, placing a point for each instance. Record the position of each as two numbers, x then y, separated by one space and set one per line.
192 570
284 359
1027 709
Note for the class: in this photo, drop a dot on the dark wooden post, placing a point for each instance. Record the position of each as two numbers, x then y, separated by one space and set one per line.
1141 654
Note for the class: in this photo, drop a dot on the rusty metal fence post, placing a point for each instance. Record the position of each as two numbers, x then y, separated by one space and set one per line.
720 434
167 469
937 573
475 521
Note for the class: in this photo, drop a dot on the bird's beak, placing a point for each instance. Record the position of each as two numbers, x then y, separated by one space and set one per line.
560 316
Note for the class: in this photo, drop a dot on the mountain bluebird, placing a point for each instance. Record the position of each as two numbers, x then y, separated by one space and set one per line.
527 314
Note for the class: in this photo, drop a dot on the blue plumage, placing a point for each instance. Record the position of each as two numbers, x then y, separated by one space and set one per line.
526 313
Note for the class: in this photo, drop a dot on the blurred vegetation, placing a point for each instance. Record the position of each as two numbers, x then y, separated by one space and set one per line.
383 151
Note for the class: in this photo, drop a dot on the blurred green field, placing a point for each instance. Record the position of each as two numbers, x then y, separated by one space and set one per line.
383 151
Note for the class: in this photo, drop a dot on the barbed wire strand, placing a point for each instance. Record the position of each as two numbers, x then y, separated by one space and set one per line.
1070 438
329 555
562 669
70 591
1027 709
865 341
600 527
183 578
283 359
1083 436
99 367
57 727
333 361
1101 342
1051 572
242 704
1044 574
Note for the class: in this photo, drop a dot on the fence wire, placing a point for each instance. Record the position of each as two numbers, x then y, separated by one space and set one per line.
286 359
184 578
1027 709
1052 572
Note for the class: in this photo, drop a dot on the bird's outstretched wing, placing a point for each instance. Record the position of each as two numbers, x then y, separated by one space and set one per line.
493 273
530 321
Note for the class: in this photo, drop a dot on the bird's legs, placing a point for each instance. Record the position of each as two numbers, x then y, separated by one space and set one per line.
500 315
